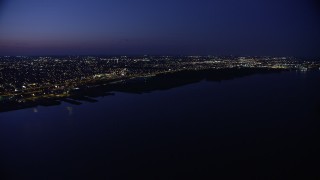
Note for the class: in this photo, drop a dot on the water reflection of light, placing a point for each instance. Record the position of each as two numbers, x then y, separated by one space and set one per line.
70 110
35 110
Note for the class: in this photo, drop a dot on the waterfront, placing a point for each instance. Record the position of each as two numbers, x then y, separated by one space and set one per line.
258 126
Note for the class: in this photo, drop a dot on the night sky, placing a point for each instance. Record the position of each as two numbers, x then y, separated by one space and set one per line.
160 27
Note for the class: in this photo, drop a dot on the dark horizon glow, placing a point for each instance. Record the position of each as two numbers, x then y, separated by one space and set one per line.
167 27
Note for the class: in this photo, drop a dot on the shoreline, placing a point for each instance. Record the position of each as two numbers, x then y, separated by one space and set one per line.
137 85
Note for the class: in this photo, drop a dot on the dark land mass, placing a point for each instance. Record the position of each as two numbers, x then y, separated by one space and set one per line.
71 101
140 85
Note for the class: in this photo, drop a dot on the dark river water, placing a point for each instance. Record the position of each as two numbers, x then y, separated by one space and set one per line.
258 127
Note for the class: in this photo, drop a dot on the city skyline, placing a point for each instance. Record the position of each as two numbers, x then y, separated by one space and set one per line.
30 81
241 28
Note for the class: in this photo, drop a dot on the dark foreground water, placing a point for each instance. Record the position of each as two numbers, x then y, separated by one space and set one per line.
258 127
